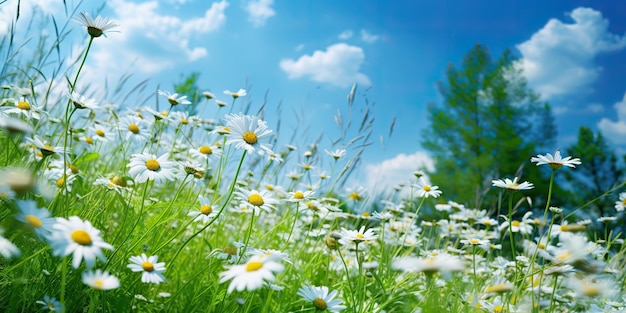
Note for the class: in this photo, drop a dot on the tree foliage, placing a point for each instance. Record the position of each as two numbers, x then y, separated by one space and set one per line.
488 122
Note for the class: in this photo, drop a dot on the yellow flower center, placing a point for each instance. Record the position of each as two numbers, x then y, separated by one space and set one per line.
515 223
230 251
320 304
153 165
47 150
307 167
81 237
474 241
33 221
541 246
133 128
205 150
366 214
89 140
60 182
359 236
498 309
499 288
73 168
206 209
250 138
355 196
235 95
253 266
298 195
147 266
563 256
426 188
100 132
256 199
23 105
184 121
591 290
119 181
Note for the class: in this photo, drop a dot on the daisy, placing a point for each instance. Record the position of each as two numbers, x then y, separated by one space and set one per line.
116 183
555 162
100 280
82 102
252 275
208 95
220 103
619 205
205 153
337 154
256 199
246 132
134 129
37 218
51 304
15 125
512 184
475 242
321 299
205 213
151 270
235 95
299 196
173 98
44 148
101 132
79 238
356 236
146 166
22 107
425 190
7 248
98 27
443 263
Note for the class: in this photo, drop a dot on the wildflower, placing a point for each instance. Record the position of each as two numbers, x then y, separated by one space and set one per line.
22 107
206 152
425 190
173 98
252 274
151 270
573 249
82 102
274 255
98 27
555 162
235 95
116 183
44 148
619 205
321 299
524 226
299 196
499 285
17 179
356 236
220 103
50 304
77 237
246 132
512 184
7 248
134 129
208 95
205 214
100 280
15 125
475 242
101 132
37 218
337 154
147 166
256 199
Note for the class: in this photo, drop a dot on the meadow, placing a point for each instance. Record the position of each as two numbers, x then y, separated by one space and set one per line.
111 208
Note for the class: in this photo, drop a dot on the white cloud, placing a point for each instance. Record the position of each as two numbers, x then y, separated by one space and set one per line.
346 34
368 37
8 11
339 65
259 11
390 173
559 58
615 131
151 41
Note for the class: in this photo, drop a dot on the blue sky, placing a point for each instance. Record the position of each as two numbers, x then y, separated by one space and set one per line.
307 54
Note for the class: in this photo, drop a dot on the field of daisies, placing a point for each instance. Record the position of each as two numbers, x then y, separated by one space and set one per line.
154 209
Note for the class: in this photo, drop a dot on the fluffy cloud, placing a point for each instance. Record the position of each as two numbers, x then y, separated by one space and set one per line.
559 58
259 11
346 34
388 174
615 131
339 65
368 37
8 11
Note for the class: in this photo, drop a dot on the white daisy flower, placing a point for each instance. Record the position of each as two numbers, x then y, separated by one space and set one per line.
100 280
37 218
321 299
206 153
82 102
98 27
348 236
205 213
300 196
134 129
7 248
146 166
512 184
79 238
50 304
425 190
251 275
208 95
235 95
174 98
256 199
621 203
555 162
443 263
151 270
337 154
246 132
22 107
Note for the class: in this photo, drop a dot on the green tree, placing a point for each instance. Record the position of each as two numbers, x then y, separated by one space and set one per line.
599 171
487 126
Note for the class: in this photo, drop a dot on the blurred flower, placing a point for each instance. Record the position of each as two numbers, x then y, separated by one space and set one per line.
151 270
100 280
321 299
235 95
37 218
50 304
98 27
425 190
82 102
337 154
7 248
621 203
252 274
512 184
555 162
442 263
356 236
208 95
173 98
